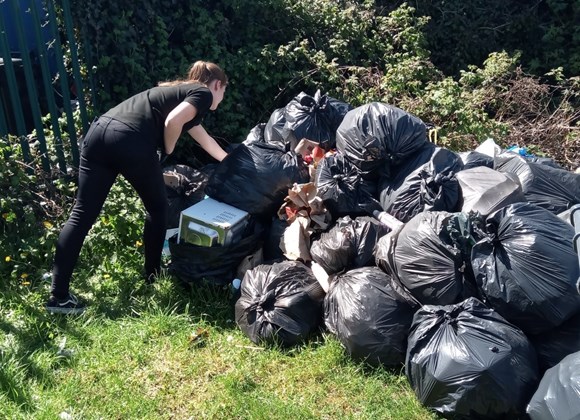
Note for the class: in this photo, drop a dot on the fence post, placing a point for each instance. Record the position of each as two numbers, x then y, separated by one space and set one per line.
47 82
13 91
75 63
64 85
30 85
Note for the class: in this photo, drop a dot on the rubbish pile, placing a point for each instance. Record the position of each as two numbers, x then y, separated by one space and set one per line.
471 285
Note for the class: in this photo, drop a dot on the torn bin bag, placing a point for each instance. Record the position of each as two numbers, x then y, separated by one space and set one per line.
467 362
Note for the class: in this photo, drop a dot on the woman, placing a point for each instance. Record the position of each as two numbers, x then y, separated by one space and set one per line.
126 141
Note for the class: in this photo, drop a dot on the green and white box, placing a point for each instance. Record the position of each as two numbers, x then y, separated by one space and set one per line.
211 222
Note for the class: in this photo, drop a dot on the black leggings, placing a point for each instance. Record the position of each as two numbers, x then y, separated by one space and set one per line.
111 148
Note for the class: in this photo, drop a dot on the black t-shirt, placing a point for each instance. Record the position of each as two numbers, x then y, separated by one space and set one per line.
146 111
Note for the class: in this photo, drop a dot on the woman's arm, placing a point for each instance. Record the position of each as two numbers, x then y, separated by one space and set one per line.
174 122
208 143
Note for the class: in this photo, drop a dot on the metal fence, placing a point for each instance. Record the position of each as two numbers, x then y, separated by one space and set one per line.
36 80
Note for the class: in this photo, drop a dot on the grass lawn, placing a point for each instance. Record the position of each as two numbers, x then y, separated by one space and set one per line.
164 352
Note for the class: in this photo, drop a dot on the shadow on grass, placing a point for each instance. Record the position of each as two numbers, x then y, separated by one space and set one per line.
133 296
28 333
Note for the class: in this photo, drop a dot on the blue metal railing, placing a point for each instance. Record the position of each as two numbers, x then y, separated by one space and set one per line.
38 91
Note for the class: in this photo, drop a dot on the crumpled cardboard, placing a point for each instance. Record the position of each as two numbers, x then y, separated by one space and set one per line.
305 214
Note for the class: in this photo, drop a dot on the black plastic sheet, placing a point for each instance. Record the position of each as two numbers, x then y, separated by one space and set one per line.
368 317
273 131
526 267
467 362
281 303
256 134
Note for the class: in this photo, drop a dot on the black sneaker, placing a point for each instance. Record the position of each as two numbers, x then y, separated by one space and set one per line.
70 305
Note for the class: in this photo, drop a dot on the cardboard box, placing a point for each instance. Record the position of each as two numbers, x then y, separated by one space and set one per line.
210 223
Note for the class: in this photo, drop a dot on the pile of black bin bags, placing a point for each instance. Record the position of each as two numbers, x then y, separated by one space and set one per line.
474 293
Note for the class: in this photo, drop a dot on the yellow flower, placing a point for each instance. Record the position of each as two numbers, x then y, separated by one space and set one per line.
138 244
7 259
47 224
26 283
107 276
24 275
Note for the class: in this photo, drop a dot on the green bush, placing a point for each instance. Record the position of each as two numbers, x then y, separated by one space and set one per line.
30 208
355 51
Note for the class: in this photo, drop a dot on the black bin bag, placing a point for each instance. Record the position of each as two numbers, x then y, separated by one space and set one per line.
558 396
376 136
433 187
256 178
366 314
315 118
473 159
280 303
526 267
552 346
185 186
273 131
274 235
348 244
551 188
217 265
429 263
465 361
341 187
256 134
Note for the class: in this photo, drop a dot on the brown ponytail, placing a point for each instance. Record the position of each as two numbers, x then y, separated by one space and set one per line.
203 72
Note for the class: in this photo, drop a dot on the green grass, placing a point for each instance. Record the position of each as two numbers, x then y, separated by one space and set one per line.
163 352
160 351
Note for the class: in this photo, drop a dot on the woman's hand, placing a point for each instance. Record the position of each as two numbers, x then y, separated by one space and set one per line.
208 143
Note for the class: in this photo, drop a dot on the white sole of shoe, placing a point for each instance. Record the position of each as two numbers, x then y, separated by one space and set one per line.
65 311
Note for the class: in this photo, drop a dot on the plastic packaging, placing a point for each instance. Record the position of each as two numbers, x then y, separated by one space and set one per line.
386 219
